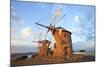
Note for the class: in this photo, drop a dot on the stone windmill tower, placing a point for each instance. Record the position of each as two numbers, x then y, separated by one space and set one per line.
43 48
63 44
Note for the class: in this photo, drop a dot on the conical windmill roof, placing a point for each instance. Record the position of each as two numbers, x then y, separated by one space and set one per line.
64 30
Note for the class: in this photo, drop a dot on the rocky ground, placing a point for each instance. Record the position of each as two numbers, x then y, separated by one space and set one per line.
51 60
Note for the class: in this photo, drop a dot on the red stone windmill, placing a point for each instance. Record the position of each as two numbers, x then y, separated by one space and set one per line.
43 48
63 45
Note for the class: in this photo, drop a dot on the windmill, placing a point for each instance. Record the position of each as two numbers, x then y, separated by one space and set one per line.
43 48
63 44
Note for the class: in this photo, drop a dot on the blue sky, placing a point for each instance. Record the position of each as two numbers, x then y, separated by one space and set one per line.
79 19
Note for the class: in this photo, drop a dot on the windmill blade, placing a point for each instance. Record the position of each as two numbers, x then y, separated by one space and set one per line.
42 25
59 19
49 28
48 44
46 32
37 41
58 12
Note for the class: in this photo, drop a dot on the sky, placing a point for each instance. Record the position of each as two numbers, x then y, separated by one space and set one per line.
78 19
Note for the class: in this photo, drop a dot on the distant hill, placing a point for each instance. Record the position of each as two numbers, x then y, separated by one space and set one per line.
22 49
23 54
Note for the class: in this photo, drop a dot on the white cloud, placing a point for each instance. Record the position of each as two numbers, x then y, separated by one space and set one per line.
18 42
89 45
77 30
26 32
14 17
22 42
77 18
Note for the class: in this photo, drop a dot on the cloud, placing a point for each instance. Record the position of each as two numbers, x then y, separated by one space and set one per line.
85 30
76 30
18 42
26 32
22 42
77 18
88 45
14 17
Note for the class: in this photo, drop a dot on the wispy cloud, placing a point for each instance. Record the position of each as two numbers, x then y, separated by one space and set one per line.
26 32
15 21
89 46
14 17
22 42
